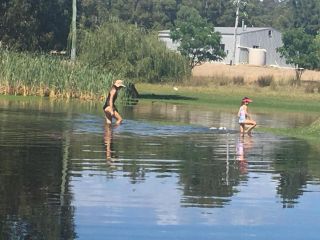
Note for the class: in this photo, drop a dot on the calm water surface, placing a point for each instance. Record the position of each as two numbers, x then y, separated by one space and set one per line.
162 174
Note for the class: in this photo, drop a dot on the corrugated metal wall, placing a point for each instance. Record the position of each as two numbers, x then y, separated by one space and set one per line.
268 39
265 38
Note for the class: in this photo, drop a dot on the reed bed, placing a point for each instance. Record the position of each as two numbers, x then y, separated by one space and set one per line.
114 50
29 74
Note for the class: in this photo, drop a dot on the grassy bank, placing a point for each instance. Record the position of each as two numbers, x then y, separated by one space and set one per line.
288 99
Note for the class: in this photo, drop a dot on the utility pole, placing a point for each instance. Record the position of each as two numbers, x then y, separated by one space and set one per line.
237 3
74 30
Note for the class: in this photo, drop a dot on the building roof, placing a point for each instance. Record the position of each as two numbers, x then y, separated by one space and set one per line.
240 30
228 30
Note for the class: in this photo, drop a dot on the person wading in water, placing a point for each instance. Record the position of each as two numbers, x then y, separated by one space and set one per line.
109 107
244 117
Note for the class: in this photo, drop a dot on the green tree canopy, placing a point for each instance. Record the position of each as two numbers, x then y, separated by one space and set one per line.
317 47
34 25
301 50
45 24
306 15
197 38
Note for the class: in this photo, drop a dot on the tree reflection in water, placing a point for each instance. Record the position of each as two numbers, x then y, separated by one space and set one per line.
35 199
291 161
41 169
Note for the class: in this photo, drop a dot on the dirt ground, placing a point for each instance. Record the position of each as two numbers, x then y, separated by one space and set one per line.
250 73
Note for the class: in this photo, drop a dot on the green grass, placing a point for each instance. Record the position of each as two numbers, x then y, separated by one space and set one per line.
229 97
291 100
306 133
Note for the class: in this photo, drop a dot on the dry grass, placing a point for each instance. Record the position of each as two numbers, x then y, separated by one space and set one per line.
249 73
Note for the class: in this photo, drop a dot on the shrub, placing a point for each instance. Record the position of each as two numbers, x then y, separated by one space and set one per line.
238 80
312 87
224 81
274 85
130 52
265 81
292 82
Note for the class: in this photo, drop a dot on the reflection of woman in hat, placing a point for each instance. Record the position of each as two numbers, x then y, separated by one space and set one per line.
244 117
109 107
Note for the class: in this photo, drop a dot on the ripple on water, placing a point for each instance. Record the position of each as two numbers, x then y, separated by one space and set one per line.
181 181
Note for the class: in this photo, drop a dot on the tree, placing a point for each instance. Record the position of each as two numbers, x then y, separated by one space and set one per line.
93 13
306 15
300 49
16 23
165 13
130 52
198 40
220 13
34 25
317 47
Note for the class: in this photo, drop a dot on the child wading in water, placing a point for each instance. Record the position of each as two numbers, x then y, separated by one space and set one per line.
244 117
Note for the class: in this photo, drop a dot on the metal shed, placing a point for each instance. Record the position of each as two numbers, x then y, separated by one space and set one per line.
251 43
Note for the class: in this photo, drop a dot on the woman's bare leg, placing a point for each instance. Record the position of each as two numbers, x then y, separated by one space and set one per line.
118 117
108 116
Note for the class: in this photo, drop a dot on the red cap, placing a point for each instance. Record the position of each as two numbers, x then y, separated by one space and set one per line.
246 99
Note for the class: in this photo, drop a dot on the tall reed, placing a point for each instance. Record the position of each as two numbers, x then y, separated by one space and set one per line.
31 74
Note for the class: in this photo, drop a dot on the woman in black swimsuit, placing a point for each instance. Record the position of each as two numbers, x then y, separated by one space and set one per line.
109 107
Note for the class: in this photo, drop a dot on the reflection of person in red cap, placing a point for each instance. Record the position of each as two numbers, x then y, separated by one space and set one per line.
244 117
109 107
243 146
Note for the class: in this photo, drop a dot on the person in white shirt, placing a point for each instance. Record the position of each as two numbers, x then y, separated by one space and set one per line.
244 117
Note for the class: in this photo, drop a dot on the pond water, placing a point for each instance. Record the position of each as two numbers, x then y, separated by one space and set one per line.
162 174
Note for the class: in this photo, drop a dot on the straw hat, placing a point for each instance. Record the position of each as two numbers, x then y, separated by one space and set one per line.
119 83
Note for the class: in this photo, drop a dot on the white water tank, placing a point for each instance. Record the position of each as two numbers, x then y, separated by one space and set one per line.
257 56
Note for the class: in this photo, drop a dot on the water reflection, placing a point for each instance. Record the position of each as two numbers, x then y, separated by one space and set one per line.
65 175
108 141
292 165
244 144
31 153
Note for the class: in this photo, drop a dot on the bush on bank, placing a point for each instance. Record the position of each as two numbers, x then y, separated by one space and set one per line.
131 53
